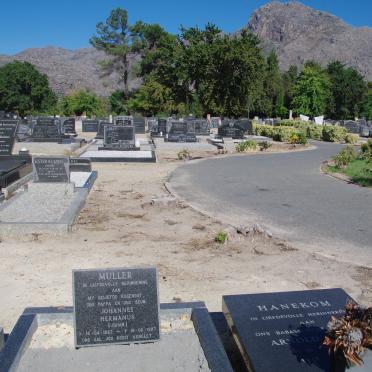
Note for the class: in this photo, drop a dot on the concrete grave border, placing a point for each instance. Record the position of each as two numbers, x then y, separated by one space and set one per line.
21 335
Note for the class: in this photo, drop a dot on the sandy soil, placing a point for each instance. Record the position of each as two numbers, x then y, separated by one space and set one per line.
120 226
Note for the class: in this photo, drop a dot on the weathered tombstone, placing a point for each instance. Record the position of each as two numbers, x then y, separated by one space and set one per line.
153 126
284 331
8 130
231 129
23 131
80 165
46 130
51 169
101 129
115 306
68 126
139 124
90 125
119 137
202 127
162 126
319 120
181 131
352 126
123 120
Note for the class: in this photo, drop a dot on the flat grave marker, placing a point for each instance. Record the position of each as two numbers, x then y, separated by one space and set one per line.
116 306
284 331
51 169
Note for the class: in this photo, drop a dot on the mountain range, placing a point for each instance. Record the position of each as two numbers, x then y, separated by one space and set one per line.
296 32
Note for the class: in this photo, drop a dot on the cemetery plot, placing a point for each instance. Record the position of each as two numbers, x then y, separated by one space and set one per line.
47 169
284 331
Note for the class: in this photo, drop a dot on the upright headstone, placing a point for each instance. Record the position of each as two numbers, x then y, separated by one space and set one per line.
319 120
123 120
90 125
68 126
284 331
162 126
181 131
139 124
231 129
246 125
202 127
8 130
153 126
51 169
101 129
215 122
46 129
352 126
115 306
119 137
304 118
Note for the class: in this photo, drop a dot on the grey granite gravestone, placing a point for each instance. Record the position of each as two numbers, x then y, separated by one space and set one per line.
90 125
116 306
101 129
139 124
284 331
51 169
46 129
119 137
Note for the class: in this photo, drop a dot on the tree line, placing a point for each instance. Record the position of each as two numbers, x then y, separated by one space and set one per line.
199 72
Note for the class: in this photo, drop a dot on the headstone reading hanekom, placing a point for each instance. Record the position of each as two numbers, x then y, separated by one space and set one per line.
284 331
51 169
115 306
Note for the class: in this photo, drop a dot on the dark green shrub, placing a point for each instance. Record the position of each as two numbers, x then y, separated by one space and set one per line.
263 130
366 150
283 134
314 132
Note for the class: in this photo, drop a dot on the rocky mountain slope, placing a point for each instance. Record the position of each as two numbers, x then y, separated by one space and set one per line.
69 70
299 33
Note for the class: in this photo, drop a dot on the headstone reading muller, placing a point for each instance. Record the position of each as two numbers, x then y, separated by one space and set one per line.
284 331
116 306
51 169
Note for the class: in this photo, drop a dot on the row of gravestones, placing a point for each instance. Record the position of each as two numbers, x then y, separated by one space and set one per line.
274 331
45 129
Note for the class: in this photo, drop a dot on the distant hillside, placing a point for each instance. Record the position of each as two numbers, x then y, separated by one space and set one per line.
69 70
299 33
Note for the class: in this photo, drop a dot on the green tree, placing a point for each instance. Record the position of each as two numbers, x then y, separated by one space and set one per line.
367 104
24 90
289 79
117 39
83 102
118 102
312 91
348 91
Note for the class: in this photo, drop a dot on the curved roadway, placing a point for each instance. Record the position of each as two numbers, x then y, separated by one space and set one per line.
287 194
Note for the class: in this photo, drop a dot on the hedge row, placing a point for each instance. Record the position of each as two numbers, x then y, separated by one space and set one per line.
283 133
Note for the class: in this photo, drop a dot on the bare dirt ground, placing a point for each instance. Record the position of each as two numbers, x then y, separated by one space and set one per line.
120 226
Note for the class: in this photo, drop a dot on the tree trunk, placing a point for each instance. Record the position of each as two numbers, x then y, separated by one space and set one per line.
125 76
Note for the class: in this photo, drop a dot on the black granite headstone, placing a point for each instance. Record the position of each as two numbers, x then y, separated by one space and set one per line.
202 127
162 126
119 137
115 306
8 130
90 125
51 169
68 125
283 332
46 130
182 131
231 129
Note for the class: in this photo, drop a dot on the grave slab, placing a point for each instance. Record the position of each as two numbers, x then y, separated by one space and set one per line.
284 331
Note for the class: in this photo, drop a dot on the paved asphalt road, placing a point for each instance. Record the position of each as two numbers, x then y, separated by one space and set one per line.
287 194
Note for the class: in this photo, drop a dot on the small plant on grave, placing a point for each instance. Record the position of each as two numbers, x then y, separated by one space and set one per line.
246 146
184 154
221 237
344 157
351 335
264 146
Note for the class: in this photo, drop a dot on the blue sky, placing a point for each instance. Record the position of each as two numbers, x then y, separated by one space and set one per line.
70 23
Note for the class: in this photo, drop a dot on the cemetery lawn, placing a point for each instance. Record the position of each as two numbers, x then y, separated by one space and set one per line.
358 171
